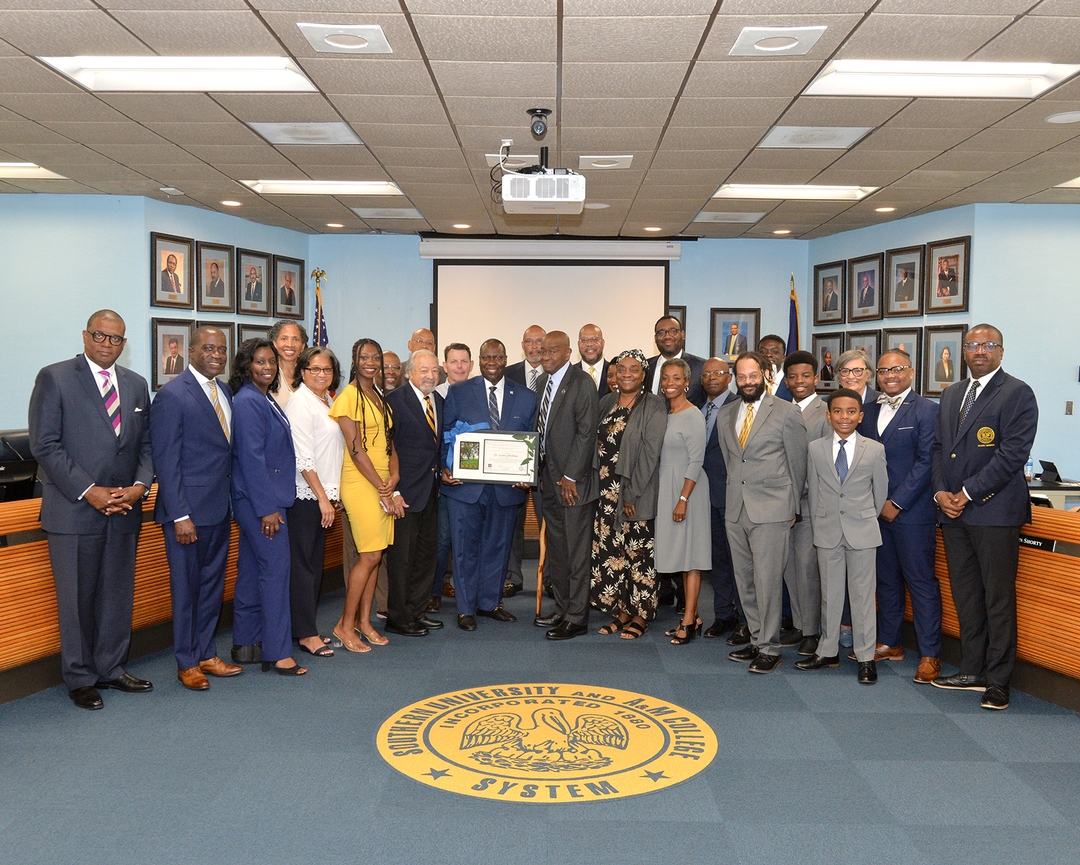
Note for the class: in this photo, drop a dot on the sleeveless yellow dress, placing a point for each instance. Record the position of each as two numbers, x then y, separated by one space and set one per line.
372 527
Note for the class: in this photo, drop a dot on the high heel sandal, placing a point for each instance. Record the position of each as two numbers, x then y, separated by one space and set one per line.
680 626
294 670
689 631
375 638
340 642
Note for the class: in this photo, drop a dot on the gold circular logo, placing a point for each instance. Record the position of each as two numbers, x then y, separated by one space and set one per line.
985 435
549 743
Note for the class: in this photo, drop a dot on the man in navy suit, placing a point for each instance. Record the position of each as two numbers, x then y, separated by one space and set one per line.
190 423
569 483
482 515
670 339
90 437
727 610
410 566
984 434
904 423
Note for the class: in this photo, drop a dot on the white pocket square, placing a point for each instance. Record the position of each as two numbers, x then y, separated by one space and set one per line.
137 409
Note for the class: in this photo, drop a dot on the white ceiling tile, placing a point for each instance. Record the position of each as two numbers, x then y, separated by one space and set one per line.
715 160
25 75
488 37
202 33
625 39
391 135
511 113
1051 40
412 110
582 139
955 112
761 77
231 133
68 32
921 37
730 111
359 75
278 107
495 79
604 112
627 80
841 111
718 137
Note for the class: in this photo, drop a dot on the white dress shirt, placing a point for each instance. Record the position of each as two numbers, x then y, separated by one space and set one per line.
886 412
806 403
741 416
660 361
500 389
849 448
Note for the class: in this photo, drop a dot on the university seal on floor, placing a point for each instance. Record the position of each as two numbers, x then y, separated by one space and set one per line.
549 743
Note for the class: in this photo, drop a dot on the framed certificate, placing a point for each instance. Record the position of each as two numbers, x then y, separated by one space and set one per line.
496 457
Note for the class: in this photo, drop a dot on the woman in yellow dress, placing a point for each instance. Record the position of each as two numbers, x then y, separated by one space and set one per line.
369 478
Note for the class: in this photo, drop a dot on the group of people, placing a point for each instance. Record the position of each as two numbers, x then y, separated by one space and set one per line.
811 516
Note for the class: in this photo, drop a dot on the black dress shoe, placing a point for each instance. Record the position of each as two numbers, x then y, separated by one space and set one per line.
429 623
510 589
498 614
996 697
790 637
867 673
809 645
466 623
960 682
765 663
89 698
816 662
567 631
745 655
550 592
550 621
719 627
249 654
740 635
126 683
413 629
434 605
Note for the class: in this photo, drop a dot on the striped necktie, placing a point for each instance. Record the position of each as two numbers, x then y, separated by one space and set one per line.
493 408
541 421
533 376
744 433
429 413
112 401
218 410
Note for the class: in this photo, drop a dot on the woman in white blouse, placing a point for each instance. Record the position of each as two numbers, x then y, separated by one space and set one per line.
320 450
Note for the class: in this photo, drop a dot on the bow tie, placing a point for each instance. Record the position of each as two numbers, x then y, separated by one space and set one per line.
893 401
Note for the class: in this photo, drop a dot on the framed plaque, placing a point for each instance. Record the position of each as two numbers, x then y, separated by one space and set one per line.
496 457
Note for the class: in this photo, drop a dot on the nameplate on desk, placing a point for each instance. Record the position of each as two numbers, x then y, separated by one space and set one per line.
1034 543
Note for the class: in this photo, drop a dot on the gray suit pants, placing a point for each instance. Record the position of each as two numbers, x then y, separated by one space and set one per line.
854 571
802 577
759 552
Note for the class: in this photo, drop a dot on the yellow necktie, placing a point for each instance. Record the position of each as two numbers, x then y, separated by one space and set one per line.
218 410
748 422
429 413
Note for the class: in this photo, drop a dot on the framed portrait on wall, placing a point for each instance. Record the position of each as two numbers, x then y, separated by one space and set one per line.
170 339
829 291
947 273
677 312
172 264
944 357
867 341
214 277
733 331
827 348
253 274
907 339
251 331
229 329
903 278
864 288
288 287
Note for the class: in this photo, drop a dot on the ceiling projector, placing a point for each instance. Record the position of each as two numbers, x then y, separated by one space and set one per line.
539 189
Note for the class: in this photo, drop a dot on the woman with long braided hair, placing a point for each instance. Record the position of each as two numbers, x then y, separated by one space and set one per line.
369 478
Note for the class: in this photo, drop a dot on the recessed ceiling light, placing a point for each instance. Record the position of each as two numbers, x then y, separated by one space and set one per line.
27 171
518 160
170 190
346 38
334 225
596 205
387 213
782 231
184 74
604 161
814 137
884 209
322 187
1064 117
937 78
653 228
462 225
775 41
307 133
228 202
794 192
738 217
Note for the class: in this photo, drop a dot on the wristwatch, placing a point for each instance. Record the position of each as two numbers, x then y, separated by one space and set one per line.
684 499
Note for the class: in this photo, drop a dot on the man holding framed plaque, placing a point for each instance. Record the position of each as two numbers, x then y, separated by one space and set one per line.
482 514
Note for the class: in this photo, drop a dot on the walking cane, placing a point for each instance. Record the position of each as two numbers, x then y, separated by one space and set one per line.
540 567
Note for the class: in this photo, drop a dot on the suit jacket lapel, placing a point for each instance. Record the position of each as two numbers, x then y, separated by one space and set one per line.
859 451
89 382
830 477
508 402
982 401
902 412
759 418
199 395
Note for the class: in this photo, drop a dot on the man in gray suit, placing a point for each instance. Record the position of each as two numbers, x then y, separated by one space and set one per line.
569 484
801 574
90 434
764 442
849 485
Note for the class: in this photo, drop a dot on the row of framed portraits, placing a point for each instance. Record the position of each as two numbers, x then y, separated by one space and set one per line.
936 354
170 339
915 280
210 277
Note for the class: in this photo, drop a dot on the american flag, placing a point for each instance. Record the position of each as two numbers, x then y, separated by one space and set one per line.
318 332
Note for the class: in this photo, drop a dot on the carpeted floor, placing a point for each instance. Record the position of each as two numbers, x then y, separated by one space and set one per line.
264 770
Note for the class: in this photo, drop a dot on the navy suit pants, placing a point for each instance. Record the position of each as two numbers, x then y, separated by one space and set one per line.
261 611
906 558
480 537
197 583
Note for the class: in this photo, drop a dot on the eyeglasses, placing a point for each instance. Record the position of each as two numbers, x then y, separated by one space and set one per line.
98 336
590 340
396 367
968 346
714 374
670 331
320 370
748 379
886 370
854 372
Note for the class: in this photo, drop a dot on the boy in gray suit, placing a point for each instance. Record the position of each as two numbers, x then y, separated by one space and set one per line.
849 485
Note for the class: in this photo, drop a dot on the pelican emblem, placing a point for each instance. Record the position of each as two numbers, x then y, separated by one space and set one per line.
550 744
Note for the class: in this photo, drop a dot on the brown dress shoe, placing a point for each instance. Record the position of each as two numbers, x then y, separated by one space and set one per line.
888 653
216 667
448 590
929 669
193 679
434 605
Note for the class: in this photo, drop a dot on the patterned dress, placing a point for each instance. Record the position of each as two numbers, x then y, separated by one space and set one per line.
623 576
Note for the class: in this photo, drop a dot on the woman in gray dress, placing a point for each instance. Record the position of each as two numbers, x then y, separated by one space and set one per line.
683 541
